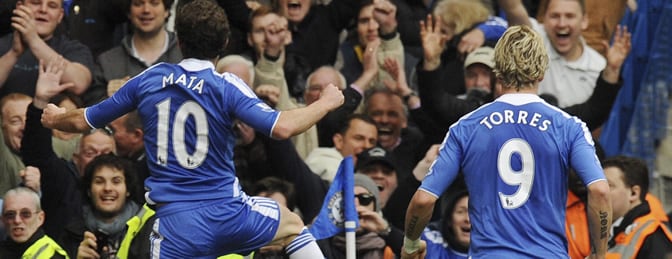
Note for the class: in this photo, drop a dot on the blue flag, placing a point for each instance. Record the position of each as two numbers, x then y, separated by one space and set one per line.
339 204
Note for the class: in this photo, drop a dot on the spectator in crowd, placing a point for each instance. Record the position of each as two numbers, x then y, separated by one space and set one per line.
99 25
200 25
405 142
112 224
356 134
377 164
375 31
517 146
574 66
13 120
34 23
373 228
61 193
637 232
450 236
308 21
277 189
149 44
239 66
65 143
447 108
129 140
23 217
461 26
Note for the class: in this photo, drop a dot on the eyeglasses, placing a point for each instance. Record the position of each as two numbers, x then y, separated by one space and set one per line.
24 214
365 198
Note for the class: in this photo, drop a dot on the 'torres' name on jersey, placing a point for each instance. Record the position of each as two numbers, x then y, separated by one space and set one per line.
511 117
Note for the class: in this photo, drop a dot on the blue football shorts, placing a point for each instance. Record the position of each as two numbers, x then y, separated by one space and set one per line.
212 228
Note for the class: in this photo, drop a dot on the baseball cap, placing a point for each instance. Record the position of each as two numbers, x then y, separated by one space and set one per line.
483 55
372 156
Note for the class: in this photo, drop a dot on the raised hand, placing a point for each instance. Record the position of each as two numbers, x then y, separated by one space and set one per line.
385 13
419 254
433 42
48 81
471 41
23 21
617 53
276 36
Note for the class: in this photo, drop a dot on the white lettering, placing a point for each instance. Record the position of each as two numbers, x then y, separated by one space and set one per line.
182 80
508 116
497 120
167 80
535 119
199 87
522 117
485 121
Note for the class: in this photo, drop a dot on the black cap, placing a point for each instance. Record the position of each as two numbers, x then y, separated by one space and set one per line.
372 156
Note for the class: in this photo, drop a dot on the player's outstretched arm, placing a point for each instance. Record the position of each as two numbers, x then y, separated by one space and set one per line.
55 117
599 216
295 121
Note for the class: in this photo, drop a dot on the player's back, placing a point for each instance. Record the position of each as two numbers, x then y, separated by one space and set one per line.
188 111
515 155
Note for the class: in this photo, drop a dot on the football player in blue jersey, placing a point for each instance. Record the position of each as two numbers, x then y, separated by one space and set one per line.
187 110
515 154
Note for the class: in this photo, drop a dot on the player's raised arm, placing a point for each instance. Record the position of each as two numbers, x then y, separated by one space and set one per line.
295 121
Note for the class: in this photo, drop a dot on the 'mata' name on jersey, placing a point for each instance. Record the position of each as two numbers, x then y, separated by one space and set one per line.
182 80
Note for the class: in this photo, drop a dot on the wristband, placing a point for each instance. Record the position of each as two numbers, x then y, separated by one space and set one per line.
411 246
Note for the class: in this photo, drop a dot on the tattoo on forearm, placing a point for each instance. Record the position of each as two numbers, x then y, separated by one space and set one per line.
603 224
412 224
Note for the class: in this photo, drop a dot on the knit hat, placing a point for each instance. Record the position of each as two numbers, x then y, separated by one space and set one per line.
365 181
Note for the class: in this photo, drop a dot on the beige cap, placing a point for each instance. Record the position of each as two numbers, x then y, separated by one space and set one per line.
483 55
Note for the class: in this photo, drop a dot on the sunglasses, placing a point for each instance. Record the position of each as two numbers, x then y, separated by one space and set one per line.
365 198
24 214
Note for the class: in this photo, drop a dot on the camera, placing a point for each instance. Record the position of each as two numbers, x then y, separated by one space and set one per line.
102 240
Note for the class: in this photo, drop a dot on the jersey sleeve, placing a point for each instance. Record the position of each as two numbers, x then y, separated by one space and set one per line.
445 168
583 157
248 108
122 102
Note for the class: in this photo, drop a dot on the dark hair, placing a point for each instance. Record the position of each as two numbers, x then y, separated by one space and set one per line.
345 125
447 223
273 184
167 4
133 121
202 29
635 172
261 11
115 162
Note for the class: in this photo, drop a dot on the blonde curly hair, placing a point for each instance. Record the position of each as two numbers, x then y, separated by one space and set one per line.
520 58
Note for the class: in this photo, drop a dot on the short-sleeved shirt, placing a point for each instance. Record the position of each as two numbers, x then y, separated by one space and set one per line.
23 77
515 154
572 82
187 111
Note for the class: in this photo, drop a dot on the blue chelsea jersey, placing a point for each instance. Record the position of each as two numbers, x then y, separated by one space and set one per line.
187 111
515 154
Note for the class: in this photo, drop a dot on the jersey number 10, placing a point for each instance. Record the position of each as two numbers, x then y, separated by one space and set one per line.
188 108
